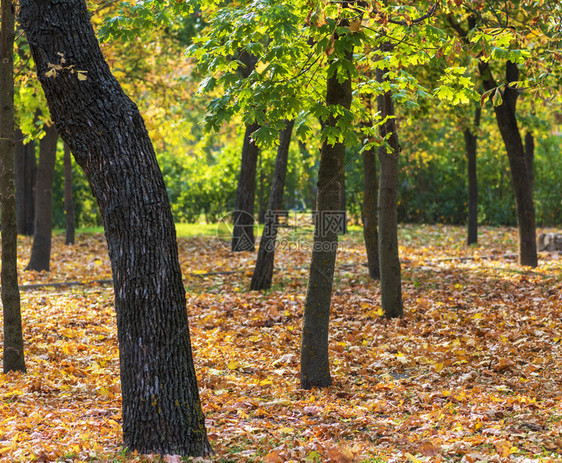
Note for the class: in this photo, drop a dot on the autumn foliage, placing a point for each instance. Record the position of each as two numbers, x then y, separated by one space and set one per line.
471 373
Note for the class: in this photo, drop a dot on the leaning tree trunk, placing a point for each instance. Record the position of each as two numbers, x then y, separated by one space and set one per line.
520 179
13 336
43 229
370 212
243 238
263 272
106 134
389 261
315 366
470 143
68 198
25 173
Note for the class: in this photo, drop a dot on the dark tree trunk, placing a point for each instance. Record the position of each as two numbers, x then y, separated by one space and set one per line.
470 143
263 272
530 158
370 212
261 195
13 358
68 198
43 228
315 366
243 238
343 200
25 168
310 193
520 179
106 134
389 261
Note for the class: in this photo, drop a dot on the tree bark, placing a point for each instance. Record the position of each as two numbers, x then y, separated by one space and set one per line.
389 261
530 158
243 238
41 249
370 212
315 366
520 179
471 144
263 272
13 358
25 173
107 136
68 198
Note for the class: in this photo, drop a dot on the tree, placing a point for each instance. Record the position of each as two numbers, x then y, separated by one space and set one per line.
40 258
68 198
470 146
13 336
161 407
25 178
263 272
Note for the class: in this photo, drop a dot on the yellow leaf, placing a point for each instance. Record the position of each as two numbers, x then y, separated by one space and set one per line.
233 365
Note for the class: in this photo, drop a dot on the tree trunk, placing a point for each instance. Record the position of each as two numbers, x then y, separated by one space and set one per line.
520 179
470 143
343 206
68 199
107 136
261 196
243 238
530 158
243 218
43 229
370 212
315 367
25 173
13 357
389 261
263 272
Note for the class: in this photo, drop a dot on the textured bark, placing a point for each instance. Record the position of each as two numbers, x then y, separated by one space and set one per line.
370 212
13 358
25 173
389 261
243 238
471 144
41 250
107 136
520 179
68 198
315 366
530 158
263 272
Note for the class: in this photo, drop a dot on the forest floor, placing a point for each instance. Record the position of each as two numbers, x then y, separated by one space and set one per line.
472 373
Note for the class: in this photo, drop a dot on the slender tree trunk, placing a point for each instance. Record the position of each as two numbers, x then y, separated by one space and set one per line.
106 134
310 193
520 179
25 172
263 272
530 158
370 212
13 357
41 250
243 238
261 195
315 366
68 198
470 143
389 261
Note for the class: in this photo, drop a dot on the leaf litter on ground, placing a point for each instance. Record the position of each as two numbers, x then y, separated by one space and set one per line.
473 372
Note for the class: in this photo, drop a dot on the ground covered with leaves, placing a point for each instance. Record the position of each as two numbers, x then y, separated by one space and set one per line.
472 373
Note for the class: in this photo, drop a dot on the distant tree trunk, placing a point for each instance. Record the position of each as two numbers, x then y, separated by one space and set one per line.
243 238
25 172
315 367
13 358
389 261
161 408
470 143
530 157
41 250
310 192
520 178
370 212
263 272
68 198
